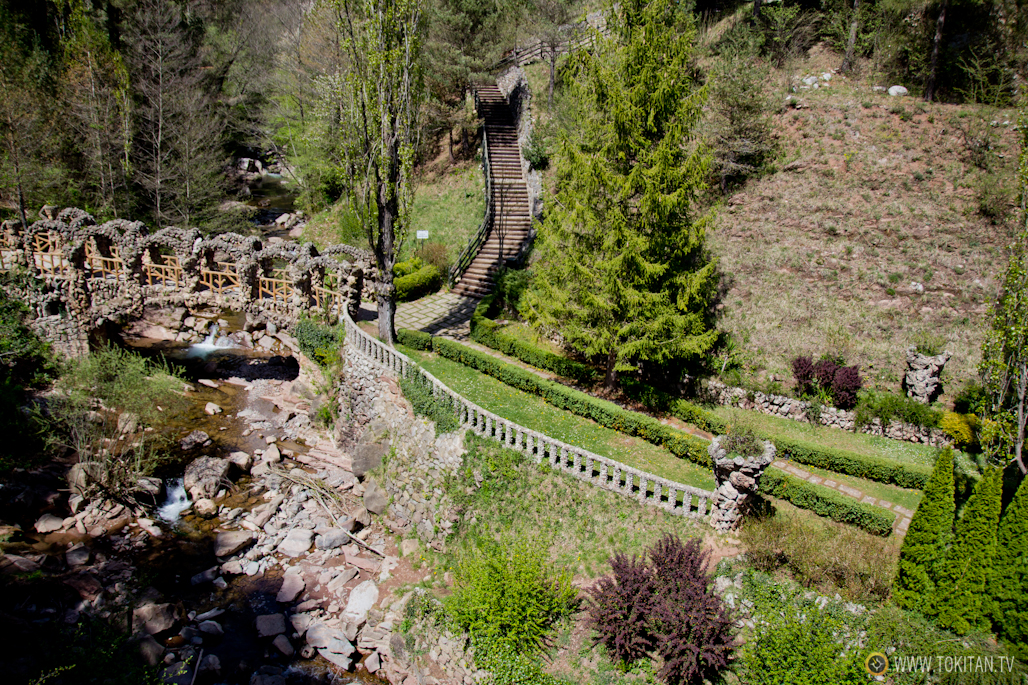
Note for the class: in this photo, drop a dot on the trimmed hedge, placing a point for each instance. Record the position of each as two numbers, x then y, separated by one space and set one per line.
418 340
913 476
421 282
487 332
827 503
602 412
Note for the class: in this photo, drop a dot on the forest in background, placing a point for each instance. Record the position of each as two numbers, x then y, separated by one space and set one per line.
138 109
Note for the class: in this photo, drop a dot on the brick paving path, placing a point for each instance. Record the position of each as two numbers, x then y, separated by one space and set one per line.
903 514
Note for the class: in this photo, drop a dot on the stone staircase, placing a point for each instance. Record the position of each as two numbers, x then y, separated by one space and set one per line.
511 226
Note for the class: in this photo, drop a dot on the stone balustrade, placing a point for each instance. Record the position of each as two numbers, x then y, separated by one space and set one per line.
676 498
90 274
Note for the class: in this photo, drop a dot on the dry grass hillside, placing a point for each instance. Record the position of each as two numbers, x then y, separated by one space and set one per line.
870 232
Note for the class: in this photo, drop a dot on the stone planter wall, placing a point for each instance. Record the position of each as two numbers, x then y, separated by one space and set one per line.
791 408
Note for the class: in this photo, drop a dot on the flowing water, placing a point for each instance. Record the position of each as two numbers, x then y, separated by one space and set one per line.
176 502
210 344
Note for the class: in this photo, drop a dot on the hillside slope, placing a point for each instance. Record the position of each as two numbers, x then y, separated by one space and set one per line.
875 198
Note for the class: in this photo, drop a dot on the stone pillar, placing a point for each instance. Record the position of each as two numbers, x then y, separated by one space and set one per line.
737 479
923 373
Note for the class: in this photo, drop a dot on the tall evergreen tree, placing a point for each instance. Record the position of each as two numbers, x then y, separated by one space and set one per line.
927 537
968 563
1007 591
625 273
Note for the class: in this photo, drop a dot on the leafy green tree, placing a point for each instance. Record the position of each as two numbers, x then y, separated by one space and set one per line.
1007 596
968 563
625 273
1004 366
927 537
381 96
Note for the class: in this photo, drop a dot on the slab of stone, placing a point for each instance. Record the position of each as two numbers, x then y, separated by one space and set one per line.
373 662
282 644
212 408
48 523
375 498
77 555
270 625
852 492
204 477
154 618
230 542
363 563
362 598
331 539
272 455
297 542
335 586
241 460
292 585
195 439
409 547
205 507
211 628
151 651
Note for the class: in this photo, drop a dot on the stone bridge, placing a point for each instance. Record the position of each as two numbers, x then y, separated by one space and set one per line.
77 277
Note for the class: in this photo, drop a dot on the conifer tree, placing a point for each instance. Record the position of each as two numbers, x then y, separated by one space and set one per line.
968 564
927 537
1007 592
624 273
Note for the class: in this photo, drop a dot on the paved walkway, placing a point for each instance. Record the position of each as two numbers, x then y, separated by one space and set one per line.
443 313
903 514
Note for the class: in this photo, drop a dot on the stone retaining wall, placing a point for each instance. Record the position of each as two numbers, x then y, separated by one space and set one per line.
790 408
676 498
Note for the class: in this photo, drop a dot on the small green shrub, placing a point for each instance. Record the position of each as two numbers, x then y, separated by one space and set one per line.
928 343
418 390
962 428
510 286
317 342
417 340
886 407
506 594
425 280
827 503
535 152
995 198
801 644
406 268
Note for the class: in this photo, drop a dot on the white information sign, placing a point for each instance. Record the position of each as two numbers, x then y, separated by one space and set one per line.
422 235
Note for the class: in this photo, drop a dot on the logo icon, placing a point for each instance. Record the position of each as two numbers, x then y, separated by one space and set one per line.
876 663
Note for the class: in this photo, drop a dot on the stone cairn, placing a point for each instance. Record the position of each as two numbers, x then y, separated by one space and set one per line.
737 479
923 373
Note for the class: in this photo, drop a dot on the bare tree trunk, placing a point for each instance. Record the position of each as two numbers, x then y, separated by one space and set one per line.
929 89
449 135
756 9
553 72
847 62
1022 396
610 376
388 213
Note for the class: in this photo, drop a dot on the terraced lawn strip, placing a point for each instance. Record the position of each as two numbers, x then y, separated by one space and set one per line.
535 413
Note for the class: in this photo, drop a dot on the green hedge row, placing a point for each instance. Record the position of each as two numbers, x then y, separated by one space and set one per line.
487 332
415 339
827 503
421 282
913 476
602 412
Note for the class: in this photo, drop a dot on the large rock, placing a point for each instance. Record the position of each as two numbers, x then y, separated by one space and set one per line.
331 539
48 523
922 380
154 618
297 542
270 625
128 423
292 585
230 542
241 460
195 439
205 476
362 598
371 448
897 91
375 498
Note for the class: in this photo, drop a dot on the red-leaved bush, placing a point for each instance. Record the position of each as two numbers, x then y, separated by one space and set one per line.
668 605
803 372
845 385
824 372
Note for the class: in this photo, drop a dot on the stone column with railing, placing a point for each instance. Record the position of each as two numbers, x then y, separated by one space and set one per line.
737 480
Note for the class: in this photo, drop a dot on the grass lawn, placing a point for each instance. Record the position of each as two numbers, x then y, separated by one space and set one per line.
532 412
859 443
450 207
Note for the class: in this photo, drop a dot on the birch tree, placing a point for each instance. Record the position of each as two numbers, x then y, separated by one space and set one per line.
381 93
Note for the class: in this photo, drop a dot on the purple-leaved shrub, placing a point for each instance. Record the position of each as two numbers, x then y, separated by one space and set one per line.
845 385
666 605
803 372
